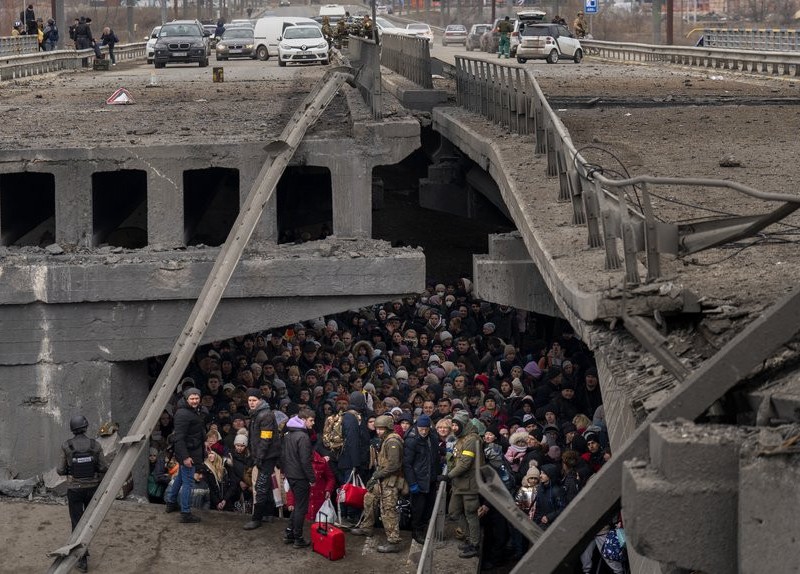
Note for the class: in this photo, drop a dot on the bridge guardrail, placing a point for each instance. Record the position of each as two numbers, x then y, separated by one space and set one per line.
509 95
409 56
754 61
20 66
365 55
14 45
435 533
752 39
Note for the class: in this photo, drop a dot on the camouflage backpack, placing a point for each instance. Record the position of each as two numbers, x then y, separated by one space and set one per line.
333 433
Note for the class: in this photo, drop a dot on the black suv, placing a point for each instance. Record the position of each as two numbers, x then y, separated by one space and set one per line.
181 41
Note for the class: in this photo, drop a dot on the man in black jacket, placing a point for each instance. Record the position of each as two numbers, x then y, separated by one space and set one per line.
83 463
420 466
265 449
189 438
296 465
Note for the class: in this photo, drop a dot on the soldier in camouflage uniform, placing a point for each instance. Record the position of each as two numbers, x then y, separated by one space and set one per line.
367 27
327 30
341 33
384 486
464 500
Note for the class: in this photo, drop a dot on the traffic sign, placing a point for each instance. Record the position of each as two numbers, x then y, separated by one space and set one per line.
590 6
121 96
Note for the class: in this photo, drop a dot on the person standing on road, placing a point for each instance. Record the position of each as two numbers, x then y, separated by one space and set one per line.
464 501
83 463
189 437
50 35
109 38
265 449
580 26
504 47
296 465
386 482
83 35
421 465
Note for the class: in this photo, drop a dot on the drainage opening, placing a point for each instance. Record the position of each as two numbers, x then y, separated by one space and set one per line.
210 204
305 204
119 200
27 209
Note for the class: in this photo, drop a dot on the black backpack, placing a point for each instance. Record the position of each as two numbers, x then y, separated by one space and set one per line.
52 35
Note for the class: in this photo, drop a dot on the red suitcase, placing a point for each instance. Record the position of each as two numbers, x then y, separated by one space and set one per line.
327 540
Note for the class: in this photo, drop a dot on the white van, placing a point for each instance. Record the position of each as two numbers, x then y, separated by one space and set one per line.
334 12
269 29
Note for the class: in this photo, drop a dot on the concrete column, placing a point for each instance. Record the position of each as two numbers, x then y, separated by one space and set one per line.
351 183
38 400
165 206
73 195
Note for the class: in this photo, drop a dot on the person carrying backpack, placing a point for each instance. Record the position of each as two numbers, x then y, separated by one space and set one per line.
50 35
83 463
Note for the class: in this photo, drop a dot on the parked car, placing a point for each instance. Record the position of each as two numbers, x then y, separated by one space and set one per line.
420 29
269 28
454 34
474 37
151 44
384 8
550 42
300 44
236 43
284 3
385 26
523 19
181 41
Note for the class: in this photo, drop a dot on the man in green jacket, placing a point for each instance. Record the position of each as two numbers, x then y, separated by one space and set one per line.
464 501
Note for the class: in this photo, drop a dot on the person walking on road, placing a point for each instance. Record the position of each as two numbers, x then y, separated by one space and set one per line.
386 482
189 438
504 47
83 463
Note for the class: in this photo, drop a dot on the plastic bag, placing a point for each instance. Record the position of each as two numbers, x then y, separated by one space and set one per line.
327 513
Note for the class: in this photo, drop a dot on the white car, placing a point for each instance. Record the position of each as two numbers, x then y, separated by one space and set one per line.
550 42
421 30
151 44
384 26
302 44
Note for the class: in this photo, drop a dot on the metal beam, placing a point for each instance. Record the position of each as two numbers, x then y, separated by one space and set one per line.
710 381
281 151
656 344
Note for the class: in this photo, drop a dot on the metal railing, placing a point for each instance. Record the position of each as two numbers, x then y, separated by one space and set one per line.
15 45
409 56
12 67
752 39
365 56
510 96
741 59
435 534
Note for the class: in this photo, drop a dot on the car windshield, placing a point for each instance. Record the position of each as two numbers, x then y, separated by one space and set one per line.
238 33
482 29
424 27
297 32
178 30
155 32
536 31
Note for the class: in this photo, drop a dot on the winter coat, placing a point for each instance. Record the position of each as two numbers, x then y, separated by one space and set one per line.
465 456
549 503
324 484
265 443
355 453
190 433
421 459
297 453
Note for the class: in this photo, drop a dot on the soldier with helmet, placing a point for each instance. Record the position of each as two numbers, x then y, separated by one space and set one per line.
83 463
386 483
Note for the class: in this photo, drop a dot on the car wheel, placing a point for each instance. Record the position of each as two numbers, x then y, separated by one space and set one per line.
578 56
149 60
281 63
552 57
262 53
521 60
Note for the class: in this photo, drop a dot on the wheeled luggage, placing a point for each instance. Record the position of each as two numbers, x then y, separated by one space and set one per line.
327 540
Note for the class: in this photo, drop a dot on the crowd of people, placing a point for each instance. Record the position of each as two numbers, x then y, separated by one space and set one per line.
398 398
